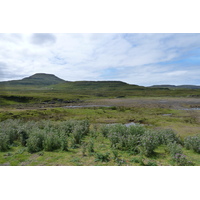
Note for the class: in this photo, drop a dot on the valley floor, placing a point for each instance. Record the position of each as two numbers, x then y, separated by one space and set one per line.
182 115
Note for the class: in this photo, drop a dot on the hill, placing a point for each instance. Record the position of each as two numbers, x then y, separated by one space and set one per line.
39 79
177 87
98 88
42 87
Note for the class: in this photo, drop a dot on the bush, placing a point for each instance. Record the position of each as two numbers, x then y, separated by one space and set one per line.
181 160
193 142
35 141
85 126
139 160
67 126
76 137
102 157
90 146
105 129
177 156
135 160
10 128
93 134
126 138
23 136
151 163
80 130
63 142
47 135
149 142
51 142
168 136
173 148
4 142
137 130
116 156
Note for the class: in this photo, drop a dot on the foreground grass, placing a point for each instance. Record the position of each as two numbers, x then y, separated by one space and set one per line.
96 147
18 156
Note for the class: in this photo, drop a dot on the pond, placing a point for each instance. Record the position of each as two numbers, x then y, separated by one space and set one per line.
190 109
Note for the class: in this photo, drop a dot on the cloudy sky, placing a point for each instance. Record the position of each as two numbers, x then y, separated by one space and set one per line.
142 59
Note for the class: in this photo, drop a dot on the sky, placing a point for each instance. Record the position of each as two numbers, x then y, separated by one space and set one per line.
143 59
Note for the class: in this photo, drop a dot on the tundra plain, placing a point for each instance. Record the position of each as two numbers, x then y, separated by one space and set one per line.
98 123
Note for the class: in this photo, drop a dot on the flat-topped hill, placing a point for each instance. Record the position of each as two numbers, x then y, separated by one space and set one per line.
36 79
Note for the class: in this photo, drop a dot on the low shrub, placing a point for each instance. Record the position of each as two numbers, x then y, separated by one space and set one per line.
4 142
84 149
51 142
67 126
35 141
136 130
121 162
177 155
168 136
23 134
115 154
102 157
90 146
149 142
79 132
193 142
104 130
181 160
63 142
126 138
93 133
76 137
151 163
10 128
173 148
135 160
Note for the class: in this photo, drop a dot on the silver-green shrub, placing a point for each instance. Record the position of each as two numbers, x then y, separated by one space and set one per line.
102 157
105 130
80 131
10 128
36 140
168 136
126 138
193 142
149 142
177 155
4 142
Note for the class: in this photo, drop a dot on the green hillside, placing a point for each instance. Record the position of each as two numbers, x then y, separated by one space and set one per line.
40 88
97 88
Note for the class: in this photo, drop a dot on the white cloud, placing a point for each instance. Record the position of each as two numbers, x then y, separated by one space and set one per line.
136 58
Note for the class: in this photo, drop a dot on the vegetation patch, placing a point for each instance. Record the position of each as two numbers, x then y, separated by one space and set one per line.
77 142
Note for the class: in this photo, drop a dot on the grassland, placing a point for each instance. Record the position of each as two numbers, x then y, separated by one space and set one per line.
101 104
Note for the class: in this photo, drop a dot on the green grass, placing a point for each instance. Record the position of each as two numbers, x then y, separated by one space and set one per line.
128 103
178 119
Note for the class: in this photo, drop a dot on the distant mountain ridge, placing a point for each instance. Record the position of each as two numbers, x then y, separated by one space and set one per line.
36 79
43 79
177 86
